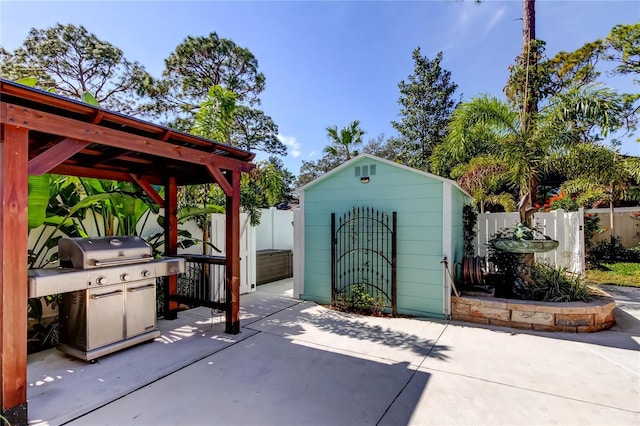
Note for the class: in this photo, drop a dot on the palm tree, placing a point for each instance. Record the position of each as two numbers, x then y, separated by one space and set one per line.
344 140
484 179
599 173
526 151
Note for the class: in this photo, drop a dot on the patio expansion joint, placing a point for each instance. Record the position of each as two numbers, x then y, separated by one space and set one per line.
248 324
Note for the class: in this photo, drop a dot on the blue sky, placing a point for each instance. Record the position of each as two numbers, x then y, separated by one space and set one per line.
331 62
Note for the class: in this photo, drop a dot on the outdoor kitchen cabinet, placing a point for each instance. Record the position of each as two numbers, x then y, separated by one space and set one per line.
95 318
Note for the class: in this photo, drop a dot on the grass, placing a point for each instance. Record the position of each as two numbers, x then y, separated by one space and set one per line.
620 273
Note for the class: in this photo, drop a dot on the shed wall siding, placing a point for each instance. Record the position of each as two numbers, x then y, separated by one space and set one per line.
417 200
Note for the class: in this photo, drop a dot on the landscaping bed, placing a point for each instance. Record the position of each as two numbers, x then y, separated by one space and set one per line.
575 317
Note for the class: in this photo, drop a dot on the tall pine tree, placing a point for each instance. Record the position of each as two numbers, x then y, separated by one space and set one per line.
427 101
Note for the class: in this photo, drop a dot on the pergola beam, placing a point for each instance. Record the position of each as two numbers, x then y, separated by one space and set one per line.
50 123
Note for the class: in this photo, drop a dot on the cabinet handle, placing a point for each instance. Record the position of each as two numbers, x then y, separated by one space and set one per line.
111 293
144 287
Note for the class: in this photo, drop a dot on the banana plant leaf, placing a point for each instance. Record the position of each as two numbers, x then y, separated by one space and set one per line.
38 200
88 98
28 81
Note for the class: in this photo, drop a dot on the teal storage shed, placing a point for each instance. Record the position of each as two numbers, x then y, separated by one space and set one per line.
345 235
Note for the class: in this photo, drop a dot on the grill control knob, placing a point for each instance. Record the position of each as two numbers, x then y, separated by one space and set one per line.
101 280
146 274
125 277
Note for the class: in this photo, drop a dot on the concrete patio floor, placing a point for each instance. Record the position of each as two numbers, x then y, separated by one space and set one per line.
297 363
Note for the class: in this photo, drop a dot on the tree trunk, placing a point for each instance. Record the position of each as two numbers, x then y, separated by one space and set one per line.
611 221
528 21
530 101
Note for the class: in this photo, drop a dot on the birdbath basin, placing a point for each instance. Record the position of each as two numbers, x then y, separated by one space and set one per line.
510 245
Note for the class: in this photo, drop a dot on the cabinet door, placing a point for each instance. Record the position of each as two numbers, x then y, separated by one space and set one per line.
141 307
105 316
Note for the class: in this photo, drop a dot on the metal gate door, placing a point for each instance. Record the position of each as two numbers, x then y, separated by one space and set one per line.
363 252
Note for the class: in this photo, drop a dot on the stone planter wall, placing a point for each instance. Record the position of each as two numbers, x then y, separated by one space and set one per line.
575 317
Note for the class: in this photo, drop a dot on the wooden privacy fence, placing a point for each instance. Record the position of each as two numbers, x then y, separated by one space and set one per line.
627 225
565 227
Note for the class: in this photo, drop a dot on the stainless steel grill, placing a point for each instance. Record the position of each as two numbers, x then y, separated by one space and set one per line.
108 287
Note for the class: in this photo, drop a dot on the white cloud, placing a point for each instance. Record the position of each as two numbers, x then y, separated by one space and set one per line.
293 147
474 18
497 16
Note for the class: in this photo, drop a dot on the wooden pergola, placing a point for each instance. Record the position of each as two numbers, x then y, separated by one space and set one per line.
44 133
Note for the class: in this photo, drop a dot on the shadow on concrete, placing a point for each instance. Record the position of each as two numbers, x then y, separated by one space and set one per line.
270 380
342 324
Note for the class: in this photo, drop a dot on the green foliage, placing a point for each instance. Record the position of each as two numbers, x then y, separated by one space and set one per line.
343 141
198 63
618 273
558 285
611 250
388 149
73 61
261 188
41 336
591 228
88 98
253 130
357 299
485 178
469 221
528 79
528 153
427 101
623 48
573 69
38 200
286 176
601 174
311 170
332 158
215 117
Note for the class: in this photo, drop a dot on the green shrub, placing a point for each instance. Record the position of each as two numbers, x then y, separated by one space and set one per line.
557 285
469 219
357 299
611 250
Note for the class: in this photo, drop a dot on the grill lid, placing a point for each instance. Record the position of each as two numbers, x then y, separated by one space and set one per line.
87 253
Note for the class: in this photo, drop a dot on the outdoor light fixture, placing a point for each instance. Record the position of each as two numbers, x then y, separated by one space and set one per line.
364 179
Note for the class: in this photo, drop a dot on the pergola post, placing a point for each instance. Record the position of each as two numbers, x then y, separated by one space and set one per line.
14 192
171 244
233 254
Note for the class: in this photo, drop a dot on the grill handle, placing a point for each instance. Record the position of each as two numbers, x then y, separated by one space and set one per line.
142 287
111 262
103 295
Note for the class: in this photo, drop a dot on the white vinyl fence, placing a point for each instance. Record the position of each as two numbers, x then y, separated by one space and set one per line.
275 230
565 227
